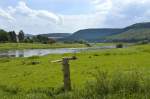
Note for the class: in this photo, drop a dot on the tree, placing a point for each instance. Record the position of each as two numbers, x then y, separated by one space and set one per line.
42 39
119 45
21 36
51 41
3 36
12 37
28 40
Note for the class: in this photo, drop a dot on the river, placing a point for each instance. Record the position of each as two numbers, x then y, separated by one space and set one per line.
42 52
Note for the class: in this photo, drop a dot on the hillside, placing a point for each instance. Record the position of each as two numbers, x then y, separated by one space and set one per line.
93 34
132 35
135 32
57 34
138 26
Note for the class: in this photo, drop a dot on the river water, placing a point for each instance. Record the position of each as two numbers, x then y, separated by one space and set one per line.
42 52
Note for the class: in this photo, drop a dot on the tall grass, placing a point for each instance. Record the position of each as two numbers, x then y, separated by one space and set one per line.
115 85
119 85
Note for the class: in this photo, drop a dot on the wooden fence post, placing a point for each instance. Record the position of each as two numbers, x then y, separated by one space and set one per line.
66 71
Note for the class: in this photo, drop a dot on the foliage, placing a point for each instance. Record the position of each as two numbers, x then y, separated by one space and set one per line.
12 36
28 40
119 85
41 39
143 42
51 41
21 36
119 45
3 36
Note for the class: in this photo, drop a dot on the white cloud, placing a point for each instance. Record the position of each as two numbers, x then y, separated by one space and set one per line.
43 14
34 21
105 13
102 6
5 15
42 21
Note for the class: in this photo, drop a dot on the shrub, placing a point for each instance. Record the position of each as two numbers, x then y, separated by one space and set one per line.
4 60
143 42
119 45
119 85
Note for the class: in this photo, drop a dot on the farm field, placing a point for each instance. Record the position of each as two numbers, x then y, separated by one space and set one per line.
38 78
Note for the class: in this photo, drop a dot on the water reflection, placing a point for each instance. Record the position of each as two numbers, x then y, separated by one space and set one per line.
33 52
42 52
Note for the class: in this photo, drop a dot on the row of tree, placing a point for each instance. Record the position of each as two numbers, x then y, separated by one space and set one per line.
11 36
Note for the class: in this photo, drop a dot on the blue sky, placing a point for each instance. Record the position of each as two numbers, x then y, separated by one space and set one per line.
49 16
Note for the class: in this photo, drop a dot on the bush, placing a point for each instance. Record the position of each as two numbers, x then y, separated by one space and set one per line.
143 42
116 85
119 46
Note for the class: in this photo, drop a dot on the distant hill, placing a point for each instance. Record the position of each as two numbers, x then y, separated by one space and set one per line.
93 34
135 32
57 34
138 26
131 35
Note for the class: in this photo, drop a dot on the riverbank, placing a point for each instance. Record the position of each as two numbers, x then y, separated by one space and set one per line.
37 76
20 46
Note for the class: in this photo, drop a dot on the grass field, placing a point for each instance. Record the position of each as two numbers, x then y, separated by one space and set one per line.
38 78
8 46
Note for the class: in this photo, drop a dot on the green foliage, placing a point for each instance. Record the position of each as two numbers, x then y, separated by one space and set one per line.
3 36
41 39
143 42
119 45
51 41
21 36
118 85
12 36
28 40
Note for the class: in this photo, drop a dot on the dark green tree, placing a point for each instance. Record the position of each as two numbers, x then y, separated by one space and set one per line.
28 40
12 37
21 36
3 36
42 39
51 41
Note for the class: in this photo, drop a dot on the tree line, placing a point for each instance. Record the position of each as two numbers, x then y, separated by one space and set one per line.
13 37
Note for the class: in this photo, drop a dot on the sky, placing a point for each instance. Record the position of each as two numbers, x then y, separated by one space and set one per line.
68 16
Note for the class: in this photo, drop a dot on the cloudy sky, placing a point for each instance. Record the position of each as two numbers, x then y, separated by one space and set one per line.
49 16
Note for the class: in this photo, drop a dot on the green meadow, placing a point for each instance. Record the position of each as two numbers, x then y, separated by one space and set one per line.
8 46
102 74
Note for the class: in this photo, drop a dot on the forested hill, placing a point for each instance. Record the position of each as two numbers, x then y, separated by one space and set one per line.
135 32
93 34
57 34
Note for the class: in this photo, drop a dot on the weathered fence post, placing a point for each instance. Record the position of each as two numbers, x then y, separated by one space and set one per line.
66 72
